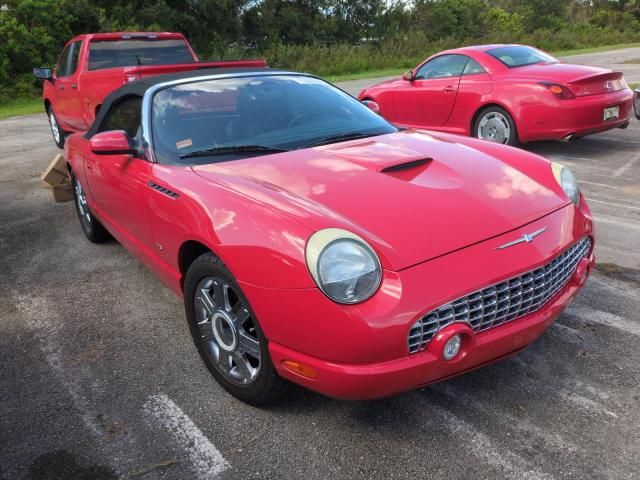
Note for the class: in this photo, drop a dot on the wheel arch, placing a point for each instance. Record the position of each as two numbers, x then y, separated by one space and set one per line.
47 104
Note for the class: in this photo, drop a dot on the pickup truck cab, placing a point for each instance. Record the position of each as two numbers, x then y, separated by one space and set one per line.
93 65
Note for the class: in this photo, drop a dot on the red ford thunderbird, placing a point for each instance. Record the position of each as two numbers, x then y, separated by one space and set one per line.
505 94
312 241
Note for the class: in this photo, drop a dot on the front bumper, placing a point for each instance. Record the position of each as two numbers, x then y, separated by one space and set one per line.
558 119
361 351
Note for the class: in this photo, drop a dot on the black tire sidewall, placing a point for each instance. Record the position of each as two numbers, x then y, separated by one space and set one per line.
513 137
268 385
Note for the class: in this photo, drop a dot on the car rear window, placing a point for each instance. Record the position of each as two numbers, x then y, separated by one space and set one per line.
519 56
144 51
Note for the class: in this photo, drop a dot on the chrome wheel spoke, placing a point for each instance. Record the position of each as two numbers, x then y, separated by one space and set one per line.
224 361
243 370
204 301
249 344
240 317
221 293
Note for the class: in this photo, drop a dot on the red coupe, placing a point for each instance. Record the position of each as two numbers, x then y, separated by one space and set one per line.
313 241
505 94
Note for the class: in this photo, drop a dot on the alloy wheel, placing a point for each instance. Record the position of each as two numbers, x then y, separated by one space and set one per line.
55 129
226 331
494 127
81 201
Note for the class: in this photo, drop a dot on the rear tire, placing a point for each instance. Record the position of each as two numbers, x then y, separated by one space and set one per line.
227 334
91 227
495 124
56 130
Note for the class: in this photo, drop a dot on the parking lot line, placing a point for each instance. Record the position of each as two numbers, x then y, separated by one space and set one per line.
619 172
207 461
606 318
620 205
482 447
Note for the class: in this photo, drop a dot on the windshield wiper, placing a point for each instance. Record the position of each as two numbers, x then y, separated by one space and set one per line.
226 149
343 137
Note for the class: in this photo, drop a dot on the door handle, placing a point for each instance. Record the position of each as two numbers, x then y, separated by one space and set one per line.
448 89
61 87
74 86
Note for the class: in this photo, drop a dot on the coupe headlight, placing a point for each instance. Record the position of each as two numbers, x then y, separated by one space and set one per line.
567 180
343 265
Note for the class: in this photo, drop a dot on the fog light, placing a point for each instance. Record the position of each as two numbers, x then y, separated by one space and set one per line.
452 347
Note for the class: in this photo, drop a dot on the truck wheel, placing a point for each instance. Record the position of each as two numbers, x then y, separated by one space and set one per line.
56 129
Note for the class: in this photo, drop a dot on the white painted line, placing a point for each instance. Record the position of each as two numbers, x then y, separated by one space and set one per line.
606 185
482 447
207 461
589 200
586 403
615 221
619 172
605 318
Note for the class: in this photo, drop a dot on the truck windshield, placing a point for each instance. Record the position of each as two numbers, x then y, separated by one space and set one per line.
226 119
144 51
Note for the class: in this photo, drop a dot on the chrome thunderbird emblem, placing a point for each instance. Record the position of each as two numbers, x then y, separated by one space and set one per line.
526 238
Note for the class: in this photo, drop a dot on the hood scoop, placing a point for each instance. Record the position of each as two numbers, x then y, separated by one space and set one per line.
406 169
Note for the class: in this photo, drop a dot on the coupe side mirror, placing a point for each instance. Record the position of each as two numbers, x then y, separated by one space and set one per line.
408 76
115 142
43 73
371 105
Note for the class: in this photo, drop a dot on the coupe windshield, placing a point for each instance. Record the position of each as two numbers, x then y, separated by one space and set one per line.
227 119
519 56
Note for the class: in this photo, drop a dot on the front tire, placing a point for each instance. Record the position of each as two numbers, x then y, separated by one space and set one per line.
495 125
227 334
91 227
56 130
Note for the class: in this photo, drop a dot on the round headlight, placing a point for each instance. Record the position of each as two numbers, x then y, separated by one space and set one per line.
343 265
567 180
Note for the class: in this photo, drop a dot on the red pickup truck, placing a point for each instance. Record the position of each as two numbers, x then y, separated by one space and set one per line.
92 66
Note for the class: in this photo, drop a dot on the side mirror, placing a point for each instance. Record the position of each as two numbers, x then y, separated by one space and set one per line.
43 73
408 76
371 105
115 142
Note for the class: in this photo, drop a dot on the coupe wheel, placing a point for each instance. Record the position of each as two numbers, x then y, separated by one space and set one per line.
227 334
496 125
91 227
56 129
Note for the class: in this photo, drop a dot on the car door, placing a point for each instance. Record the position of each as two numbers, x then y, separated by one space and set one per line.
119 183
428 99
68 106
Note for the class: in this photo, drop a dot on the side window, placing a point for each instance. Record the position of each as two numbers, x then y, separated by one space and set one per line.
64 61
442 67
125 115
75 56
472 68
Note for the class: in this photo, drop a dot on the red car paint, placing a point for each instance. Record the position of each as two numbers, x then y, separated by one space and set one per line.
435 232
76 97
451 104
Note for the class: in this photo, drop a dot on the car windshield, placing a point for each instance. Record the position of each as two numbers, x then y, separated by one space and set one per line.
207 121
519 56
138 51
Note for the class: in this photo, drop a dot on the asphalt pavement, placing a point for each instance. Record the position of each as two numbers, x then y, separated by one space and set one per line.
99 378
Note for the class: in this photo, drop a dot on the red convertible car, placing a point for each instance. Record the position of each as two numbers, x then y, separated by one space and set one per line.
313 241
505 94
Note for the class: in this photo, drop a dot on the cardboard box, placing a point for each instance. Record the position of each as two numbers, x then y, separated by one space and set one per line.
63 192
56 173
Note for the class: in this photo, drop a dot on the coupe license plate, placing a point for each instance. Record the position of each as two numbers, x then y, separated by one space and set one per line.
611 113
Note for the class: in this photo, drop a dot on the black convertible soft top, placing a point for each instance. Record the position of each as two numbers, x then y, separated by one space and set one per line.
139 87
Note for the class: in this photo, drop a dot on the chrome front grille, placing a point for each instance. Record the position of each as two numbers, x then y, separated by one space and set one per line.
501 302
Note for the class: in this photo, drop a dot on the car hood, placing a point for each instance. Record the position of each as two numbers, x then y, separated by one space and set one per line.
413 196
